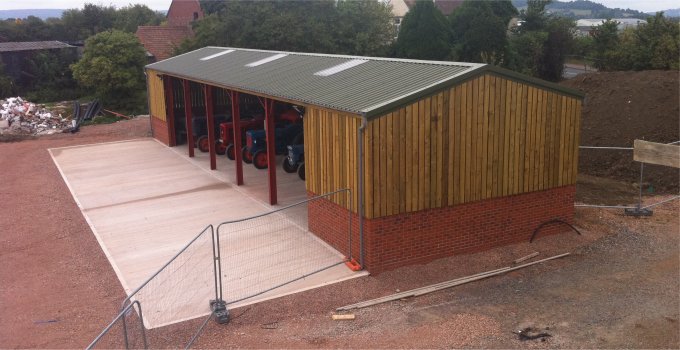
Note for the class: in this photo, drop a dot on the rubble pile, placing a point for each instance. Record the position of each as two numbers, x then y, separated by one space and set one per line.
21 117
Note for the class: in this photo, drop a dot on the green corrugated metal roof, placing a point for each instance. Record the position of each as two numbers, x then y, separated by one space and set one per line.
371 87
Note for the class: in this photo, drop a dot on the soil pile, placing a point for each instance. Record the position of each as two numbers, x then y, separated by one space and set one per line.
623 106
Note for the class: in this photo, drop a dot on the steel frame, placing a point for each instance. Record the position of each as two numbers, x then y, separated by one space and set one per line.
188 116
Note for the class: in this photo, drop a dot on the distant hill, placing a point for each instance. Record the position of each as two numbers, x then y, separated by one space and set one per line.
585 9
40 13
669 12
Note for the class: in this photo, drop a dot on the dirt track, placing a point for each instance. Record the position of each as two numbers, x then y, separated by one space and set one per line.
619 289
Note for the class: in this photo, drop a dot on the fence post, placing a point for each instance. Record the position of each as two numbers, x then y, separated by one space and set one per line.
218 306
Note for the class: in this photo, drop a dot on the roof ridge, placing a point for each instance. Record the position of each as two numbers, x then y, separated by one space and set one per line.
391 59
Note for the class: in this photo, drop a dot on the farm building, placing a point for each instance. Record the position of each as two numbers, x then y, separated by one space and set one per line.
442 158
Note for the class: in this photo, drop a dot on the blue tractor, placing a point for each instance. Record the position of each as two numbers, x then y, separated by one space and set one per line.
295 161
255 150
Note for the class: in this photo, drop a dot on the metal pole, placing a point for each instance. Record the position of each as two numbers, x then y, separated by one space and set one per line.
141 323
642 167
605 147
236 123
219 263
270 136
125 334
210 119
188 117
215 262
662 202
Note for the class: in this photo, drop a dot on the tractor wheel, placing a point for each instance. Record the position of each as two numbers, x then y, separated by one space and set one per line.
301 171
287 167
246 155
202 143
231 154
220 148
260 159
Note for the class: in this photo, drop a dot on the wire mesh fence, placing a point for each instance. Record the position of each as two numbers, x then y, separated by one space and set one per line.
126 331
634 209
183 288
180 290
261 254
243 259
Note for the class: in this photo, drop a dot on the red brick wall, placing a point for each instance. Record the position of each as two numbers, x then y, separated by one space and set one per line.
423 236
330 222
159 130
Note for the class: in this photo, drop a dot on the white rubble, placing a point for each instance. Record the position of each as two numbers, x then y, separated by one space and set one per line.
18 116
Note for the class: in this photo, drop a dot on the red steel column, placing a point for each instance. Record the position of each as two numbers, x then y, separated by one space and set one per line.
170 110
271 155
211 125
236 123
187 113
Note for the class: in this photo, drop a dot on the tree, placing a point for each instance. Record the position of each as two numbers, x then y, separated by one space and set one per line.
534 16
652 45
424 33
541 43
363 28
112 66
556 48
658 44
6 83
605 43
92 19
50 76
130 17
347 27
212 6
479 30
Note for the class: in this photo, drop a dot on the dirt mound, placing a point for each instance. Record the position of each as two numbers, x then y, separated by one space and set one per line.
623 106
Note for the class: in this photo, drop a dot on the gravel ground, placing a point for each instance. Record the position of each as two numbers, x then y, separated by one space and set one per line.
619 288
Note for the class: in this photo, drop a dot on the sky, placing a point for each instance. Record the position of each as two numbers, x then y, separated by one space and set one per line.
640 5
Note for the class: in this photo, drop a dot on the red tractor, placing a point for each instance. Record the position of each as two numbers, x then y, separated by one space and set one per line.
226 142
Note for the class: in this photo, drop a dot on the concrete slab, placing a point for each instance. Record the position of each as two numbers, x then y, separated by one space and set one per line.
145 202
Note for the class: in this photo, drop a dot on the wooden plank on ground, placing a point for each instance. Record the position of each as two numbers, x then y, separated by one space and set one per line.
656 153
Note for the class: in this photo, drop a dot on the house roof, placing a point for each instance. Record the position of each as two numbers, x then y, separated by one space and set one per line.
354 84
160 41
32 45
399 8
181 12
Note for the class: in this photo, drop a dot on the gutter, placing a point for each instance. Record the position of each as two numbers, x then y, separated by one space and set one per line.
362 128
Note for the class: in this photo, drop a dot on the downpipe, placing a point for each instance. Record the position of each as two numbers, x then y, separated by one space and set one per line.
362 128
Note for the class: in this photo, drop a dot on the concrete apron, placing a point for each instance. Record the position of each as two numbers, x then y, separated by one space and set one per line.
145 201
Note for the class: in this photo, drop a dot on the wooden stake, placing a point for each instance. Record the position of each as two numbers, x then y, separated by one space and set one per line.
343 317
443 285
525 258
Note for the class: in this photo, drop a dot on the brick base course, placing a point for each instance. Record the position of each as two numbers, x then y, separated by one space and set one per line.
159 130
423 236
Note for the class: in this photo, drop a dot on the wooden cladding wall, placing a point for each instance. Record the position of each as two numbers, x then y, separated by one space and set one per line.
156 95
331 153
485 138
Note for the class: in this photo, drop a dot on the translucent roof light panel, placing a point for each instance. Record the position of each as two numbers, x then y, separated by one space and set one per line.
266 60
339 68
216 55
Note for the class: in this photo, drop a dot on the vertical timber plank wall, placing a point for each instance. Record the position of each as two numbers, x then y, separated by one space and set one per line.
331 154
485 138
156 95
157 106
